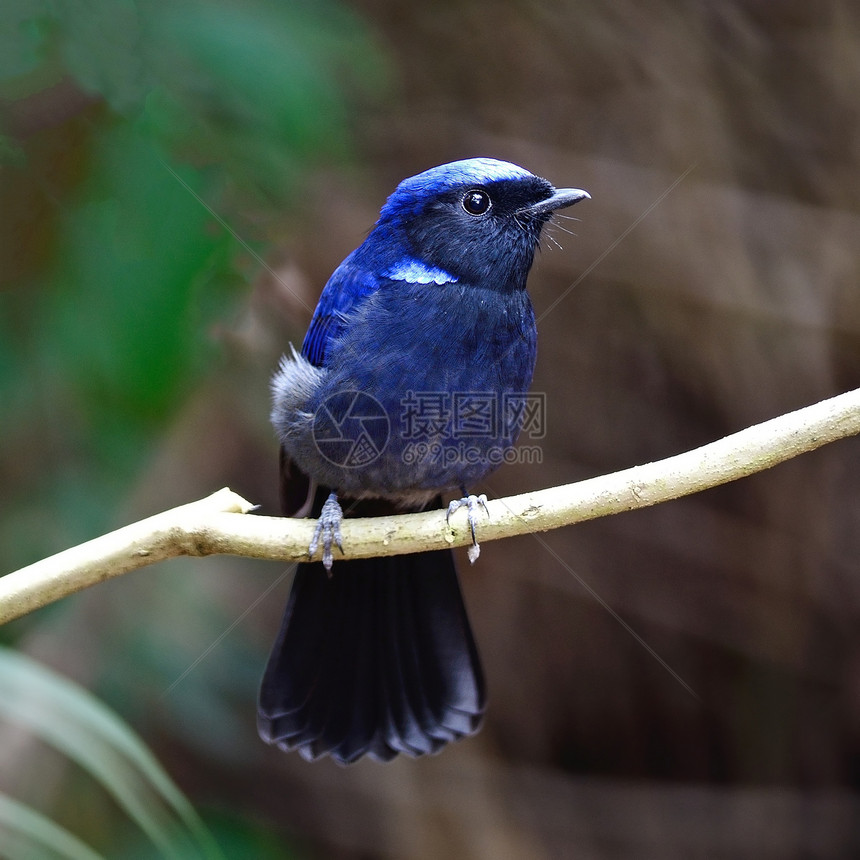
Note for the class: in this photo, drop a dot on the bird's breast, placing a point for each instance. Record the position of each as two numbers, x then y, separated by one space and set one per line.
426 379
441 337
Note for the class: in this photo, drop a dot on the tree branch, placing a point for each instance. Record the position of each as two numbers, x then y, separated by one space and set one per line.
211 526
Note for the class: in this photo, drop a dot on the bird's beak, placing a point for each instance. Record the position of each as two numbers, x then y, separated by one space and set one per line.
561 198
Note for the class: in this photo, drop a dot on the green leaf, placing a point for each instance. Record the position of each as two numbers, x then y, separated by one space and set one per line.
259 87
100 43
28 835
21 38
69 719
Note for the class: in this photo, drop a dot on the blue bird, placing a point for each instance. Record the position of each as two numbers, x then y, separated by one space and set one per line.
421 345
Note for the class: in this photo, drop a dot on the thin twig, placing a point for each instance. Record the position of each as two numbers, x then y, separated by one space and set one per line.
211 526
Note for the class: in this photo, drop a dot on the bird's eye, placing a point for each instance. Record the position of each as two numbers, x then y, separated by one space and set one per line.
476 202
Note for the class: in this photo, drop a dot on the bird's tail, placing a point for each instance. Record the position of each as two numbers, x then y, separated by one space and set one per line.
376 659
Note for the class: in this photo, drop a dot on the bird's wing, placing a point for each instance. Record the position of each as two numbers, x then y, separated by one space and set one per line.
346 289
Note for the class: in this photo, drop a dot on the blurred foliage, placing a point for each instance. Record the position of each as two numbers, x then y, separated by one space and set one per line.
67 718
146 148
260 88
26 834
117 267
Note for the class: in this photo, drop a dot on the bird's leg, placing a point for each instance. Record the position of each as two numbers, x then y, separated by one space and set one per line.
472 504
328 530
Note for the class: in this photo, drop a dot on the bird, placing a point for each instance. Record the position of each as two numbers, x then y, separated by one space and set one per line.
424 332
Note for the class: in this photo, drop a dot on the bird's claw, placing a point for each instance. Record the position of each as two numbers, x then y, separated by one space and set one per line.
327 531
472 504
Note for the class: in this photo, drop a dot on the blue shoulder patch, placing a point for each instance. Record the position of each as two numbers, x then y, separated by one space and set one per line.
415 272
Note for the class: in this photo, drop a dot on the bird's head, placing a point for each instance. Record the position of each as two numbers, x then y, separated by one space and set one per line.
476 221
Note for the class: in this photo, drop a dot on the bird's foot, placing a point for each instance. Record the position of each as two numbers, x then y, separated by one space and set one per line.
328 531
472 504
